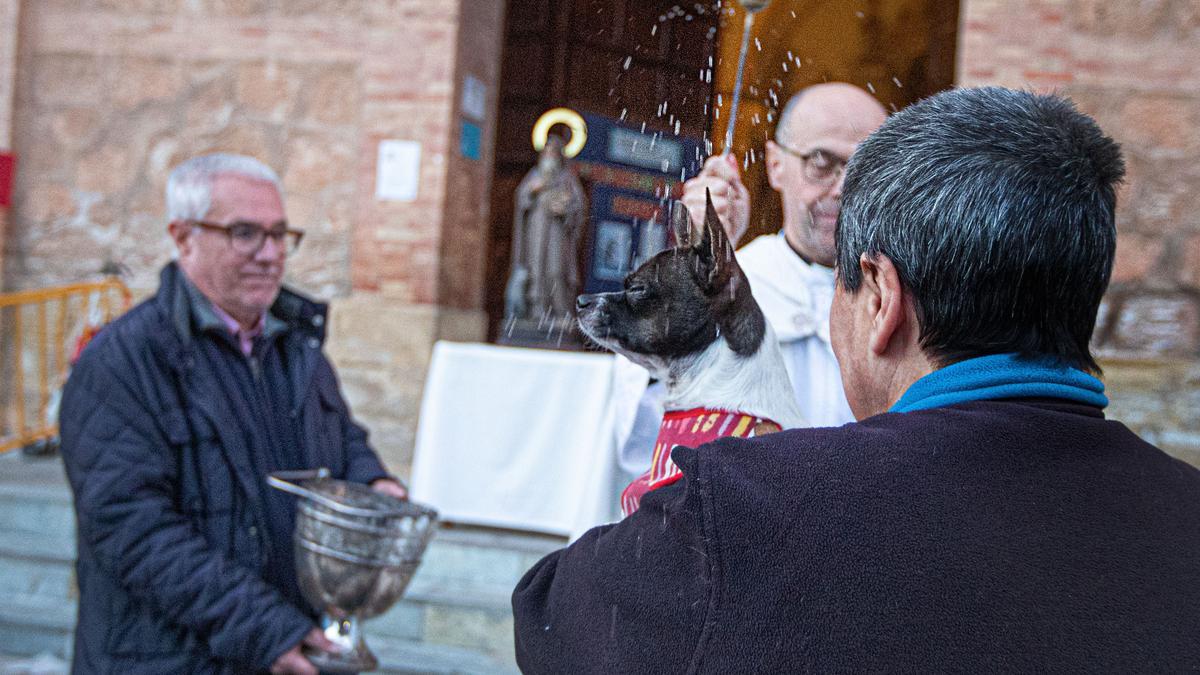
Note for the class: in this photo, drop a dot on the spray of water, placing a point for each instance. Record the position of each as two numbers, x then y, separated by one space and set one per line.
752 7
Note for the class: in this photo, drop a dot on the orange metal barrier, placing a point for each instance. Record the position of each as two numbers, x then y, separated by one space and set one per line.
34 362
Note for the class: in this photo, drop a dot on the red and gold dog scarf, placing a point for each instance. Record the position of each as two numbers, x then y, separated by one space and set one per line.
689 428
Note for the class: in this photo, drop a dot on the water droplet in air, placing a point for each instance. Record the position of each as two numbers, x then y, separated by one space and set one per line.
870 87
628 60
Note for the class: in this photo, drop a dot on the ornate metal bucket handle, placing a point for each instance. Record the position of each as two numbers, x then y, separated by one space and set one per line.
282 480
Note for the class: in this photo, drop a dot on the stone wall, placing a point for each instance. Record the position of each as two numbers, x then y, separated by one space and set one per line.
8 75
1132 65
112 93
8 66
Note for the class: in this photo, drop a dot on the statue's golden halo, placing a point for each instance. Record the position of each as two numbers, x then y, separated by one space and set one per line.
574 122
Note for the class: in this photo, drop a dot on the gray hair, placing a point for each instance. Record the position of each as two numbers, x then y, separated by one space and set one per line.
997 209
189 187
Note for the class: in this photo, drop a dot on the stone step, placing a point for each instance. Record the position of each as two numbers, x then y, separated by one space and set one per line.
43 577
38 547
37 566
34 496
32 627
37 625
463 565
455 616
42 664
407 657
455 571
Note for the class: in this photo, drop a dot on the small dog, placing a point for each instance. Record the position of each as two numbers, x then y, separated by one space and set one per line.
688 317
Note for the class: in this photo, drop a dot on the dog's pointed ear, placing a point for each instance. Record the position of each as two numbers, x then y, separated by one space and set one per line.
681 224
715 246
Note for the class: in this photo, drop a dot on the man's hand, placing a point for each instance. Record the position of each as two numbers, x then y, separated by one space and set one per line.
389 487
292 662
730 198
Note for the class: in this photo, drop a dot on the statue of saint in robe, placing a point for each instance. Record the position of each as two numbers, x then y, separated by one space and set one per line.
547 225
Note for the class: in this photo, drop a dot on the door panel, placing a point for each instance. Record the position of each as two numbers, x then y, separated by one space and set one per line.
573 53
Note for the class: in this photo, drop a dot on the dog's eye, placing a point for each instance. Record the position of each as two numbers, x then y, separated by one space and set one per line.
636 292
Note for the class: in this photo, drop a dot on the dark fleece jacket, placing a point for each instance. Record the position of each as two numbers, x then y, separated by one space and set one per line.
1020 535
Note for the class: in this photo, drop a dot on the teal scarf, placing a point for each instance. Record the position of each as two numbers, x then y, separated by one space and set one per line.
1001 376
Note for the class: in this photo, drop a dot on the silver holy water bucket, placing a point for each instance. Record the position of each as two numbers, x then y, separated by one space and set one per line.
356 551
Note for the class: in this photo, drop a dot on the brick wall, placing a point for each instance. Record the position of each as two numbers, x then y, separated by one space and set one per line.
8 75
1132 65
109 94
8 66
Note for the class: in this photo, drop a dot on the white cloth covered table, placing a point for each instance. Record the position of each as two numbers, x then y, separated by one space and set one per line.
523 438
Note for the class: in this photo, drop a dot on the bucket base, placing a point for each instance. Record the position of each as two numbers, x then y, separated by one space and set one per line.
358 661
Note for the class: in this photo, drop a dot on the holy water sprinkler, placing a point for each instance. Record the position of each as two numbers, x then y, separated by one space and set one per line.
752 7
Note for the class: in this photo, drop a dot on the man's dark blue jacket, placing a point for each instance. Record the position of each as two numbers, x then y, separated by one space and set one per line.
992 536
173 528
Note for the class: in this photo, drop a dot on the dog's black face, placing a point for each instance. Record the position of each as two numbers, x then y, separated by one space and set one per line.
678 302
662 311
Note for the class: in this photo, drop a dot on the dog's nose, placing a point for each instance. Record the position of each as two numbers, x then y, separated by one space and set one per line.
585 301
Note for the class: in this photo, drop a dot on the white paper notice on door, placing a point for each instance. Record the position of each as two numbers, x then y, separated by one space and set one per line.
398 171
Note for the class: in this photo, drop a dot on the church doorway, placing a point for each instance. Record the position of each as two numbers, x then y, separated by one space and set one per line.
623 59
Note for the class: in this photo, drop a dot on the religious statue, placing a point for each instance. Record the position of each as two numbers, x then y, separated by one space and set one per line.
547 225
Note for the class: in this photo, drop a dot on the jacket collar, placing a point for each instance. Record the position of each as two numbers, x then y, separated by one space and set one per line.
290 312
1002 376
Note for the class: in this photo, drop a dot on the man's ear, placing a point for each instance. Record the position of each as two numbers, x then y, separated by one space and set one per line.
775 158
888 303
181 233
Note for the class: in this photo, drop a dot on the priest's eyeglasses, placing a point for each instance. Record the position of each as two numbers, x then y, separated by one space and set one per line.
819 167
247 238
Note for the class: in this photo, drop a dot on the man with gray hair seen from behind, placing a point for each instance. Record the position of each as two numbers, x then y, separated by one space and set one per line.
791 272
982 514
170 423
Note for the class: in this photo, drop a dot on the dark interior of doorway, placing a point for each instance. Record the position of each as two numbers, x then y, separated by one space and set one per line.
625 57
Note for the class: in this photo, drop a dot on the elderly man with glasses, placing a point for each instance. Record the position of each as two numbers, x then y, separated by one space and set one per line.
170 423
791 273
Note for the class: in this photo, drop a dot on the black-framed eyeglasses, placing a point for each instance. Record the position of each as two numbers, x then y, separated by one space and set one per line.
247 238
819 167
